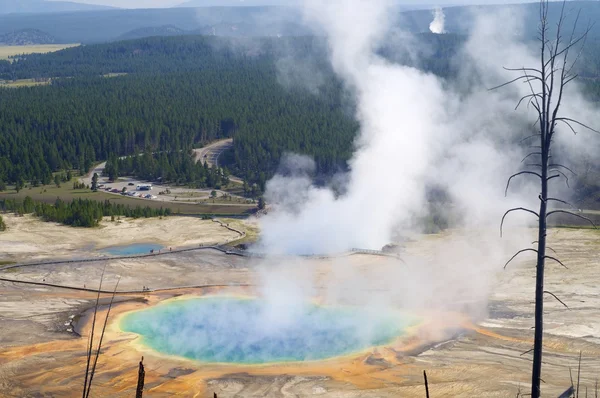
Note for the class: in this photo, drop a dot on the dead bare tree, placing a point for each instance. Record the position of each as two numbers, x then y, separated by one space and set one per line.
546 85
91 371
139 391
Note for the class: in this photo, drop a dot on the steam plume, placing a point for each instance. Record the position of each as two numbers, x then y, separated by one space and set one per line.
437 26
415 132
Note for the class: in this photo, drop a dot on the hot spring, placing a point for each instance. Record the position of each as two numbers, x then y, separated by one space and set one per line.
132 250
252 331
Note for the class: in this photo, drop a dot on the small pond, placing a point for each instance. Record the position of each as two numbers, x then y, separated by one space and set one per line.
133 249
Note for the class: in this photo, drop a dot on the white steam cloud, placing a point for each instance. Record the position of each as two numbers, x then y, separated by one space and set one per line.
437 26
417 131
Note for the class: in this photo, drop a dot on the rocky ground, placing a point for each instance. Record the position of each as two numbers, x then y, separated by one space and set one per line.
478 353
28 239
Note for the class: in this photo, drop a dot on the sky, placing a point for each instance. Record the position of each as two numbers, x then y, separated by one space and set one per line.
169 3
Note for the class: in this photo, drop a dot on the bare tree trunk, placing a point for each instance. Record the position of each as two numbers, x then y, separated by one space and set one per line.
141 375
539 278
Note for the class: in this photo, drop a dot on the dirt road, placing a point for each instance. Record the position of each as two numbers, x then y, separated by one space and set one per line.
212 152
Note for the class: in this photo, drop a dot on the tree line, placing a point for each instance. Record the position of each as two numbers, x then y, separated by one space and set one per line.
176 167
78 212
183 92
160 55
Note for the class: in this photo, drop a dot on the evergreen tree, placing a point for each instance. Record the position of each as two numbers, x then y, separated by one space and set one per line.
19 185
79 212
95 182
261 203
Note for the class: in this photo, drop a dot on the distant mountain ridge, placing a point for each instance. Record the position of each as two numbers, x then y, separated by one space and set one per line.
283 3
109 25
43 6
26 37
234 3
166 30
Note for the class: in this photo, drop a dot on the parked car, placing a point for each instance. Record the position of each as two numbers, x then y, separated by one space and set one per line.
131 184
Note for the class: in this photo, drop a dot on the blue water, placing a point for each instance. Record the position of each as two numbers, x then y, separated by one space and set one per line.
232 330
131 250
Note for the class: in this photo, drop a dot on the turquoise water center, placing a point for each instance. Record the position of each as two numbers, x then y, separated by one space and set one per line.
252 331
133 249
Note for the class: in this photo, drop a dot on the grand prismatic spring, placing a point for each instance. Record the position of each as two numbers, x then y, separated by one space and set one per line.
252 331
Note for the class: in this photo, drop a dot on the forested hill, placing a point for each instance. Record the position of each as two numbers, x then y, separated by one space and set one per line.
26 37
181 92
165 30
160 55
178 93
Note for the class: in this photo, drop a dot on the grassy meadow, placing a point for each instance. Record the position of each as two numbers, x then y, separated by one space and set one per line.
24 83
9 51
49 193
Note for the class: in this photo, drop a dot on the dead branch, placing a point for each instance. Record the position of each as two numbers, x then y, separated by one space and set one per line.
547 247
522 69
518 174
572 214
567 119
534 165
578 373
519 252
529 137
560 201
528 96
568 393
553 166
531 154
91 342
560 174
516 209
526 352
557 299
93 371
557 260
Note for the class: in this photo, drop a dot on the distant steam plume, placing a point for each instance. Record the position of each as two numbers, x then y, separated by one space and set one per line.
437 26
